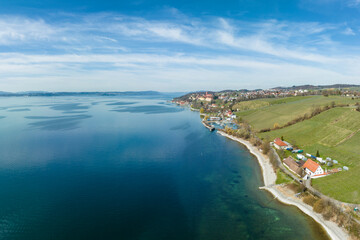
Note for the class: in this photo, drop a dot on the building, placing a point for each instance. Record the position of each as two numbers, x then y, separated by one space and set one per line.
312 168
209 97
293 166
279 144
300 163
214 118
228 113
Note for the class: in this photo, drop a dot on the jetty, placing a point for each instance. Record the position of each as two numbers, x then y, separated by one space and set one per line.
208 126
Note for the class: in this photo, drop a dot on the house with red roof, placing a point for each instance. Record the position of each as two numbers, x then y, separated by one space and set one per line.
279 144
208 97
312 168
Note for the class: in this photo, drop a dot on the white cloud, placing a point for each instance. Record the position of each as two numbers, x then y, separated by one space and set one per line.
137 54
160 72
353 3
349 31
16 30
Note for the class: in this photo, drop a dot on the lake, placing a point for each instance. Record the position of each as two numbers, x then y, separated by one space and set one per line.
130 168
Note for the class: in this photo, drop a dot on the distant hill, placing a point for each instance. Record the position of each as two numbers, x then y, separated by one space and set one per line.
318 87
42 93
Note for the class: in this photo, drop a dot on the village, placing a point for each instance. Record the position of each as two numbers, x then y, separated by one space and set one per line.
211 101
306 165
220 99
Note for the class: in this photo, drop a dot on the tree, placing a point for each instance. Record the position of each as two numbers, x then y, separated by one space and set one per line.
281 154
202 110
282 138
276 126
319 206
266 146
317 153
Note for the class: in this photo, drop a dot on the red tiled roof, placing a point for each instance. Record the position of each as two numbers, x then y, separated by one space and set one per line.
311 165
280 143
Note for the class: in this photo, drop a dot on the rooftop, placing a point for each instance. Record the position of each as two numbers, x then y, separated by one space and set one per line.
311 165
280 143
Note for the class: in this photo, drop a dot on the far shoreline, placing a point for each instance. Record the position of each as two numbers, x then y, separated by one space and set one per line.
269 178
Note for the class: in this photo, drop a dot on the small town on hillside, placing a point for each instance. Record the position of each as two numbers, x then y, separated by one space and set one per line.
221 107
225 101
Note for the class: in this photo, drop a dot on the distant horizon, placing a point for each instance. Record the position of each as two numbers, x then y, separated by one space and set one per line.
156 91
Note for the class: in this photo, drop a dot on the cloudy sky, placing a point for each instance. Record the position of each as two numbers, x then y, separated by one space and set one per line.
177 45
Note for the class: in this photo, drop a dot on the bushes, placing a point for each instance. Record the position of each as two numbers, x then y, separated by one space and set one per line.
295 187
255 141
265 130
265 146
319 206
354 229
328 212
309 200
281 153
273 160
331 212
276 126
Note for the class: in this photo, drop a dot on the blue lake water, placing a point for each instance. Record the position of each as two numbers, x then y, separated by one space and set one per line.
129 168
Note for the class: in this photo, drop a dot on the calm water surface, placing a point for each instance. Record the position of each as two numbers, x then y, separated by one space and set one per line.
120 168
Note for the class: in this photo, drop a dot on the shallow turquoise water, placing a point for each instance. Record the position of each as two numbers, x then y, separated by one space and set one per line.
117 168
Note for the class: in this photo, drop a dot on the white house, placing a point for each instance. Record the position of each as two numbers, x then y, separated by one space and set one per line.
312 168
279 144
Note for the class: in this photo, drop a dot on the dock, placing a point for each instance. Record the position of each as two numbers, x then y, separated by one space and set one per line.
208 126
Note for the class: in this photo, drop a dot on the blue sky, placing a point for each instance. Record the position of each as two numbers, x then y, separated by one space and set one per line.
177 45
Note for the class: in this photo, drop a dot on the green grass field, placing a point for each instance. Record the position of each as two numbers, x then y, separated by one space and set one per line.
284 110
249 105
336 134
282 178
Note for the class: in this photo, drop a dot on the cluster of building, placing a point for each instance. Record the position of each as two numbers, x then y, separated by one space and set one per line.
241 95
208 97
226 115
305 165
255 94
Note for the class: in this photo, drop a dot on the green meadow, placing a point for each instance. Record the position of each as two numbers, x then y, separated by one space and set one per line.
281 111
249 105
334 133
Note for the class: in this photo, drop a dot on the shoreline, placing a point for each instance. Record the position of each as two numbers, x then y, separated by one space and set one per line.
269 177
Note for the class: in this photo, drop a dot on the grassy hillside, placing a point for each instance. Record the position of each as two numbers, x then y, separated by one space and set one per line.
284 110
335 133
249 105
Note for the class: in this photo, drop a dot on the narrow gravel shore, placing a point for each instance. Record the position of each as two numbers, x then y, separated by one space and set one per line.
334 231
